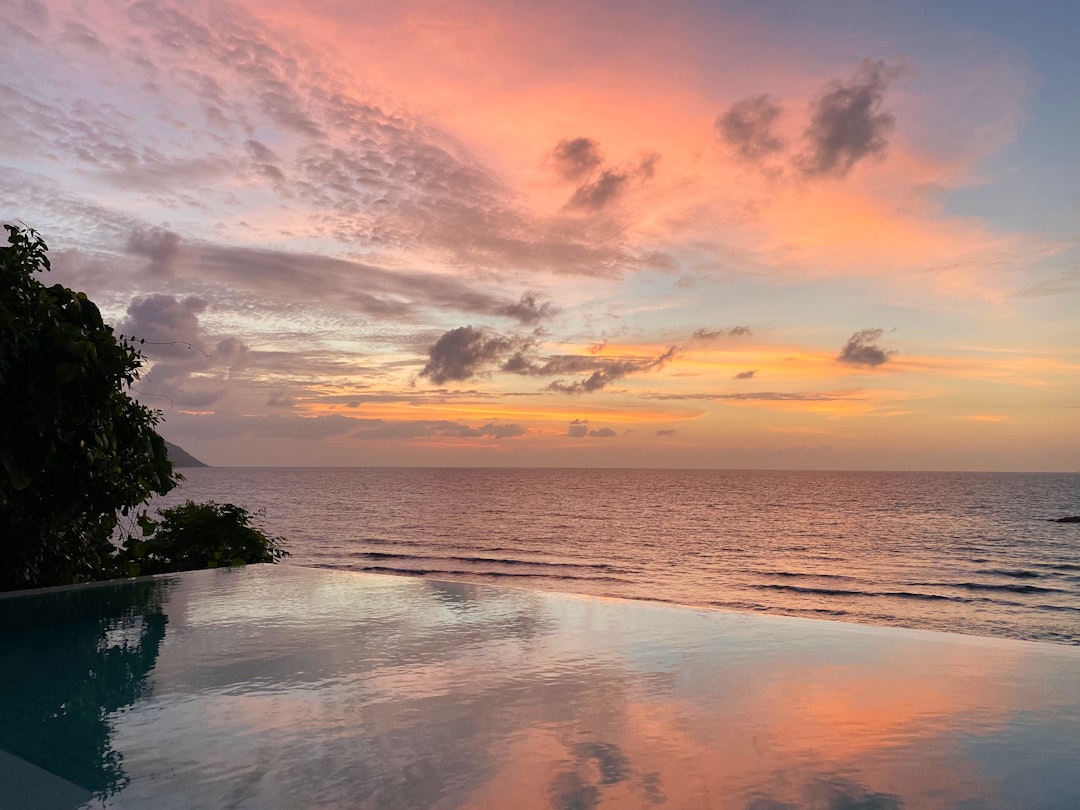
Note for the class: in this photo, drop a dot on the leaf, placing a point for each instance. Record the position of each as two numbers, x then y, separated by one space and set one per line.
146 523
19 476
66 372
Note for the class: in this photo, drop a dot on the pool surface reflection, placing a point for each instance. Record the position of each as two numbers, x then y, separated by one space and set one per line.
277 686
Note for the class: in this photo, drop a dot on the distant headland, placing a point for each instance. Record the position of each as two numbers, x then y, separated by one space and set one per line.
181 457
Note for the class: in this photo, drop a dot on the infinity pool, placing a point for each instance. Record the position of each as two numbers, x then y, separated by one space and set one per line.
275 686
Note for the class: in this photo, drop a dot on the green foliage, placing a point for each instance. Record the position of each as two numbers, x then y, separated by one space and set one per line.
198 535
75 448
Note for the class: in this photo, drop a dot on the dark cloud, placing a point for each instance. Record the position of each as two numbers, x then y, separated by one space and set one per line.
646 169
394 183
412 396
606 763
596 381
315 428
862 349
579 428
362 175
82 133
666 432
601 371
747 127
755 396
265 161
231 353
292 368
80 35
1061 285
407 195
169 326
174 380
580 160
711 334
462 353
420 428
188 367
551 366
183 394
847 122
33 12
158 245
274 426
75 220
281 400
374 291
575 158
504 431
311 428
746 375
104 141
601 191
606 188
466 352
284 106
176 179
528 310
602 433
832 793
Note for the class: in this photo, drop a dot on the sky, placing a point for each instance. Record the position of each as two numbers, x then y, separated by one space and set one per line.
810 235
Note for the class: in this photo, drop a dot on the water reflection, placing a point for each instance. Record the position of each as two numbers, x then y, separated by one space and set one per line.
832 794
288 687
68 662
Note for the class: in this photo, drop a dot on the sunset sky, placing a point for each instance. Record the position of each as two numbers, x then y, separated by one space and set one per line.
722 234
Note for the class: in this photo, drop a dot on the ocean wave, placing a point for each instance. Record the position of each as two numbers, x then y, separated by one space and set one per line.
425 543
810 575
835 613
1058 608
989 586
457 572
845 592
467 558
914 595
1017 573
1058 566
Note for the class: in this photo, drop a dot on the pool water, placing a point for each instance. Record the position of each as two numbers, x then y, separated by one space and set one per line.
280 686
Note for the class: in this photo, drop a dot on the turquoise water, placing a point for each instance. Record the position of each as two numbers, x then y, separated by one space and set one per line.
290 687
972 553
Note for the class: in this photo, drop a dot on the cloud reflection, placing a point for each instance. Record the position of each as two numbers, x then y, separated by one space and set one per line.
289 687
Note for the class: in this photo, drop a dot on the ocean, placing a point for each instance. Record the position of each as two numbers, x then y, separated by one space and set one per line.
973 553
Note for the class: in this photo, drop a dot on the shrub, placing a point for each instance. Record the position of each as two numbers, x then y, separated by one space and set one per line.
198 535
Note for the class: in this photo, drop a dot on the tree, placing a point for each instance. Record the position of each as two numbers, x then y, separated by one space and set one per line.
76 449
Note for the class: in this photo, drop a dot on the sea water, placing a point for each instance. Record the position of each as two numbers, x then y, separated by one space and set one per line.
974 553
